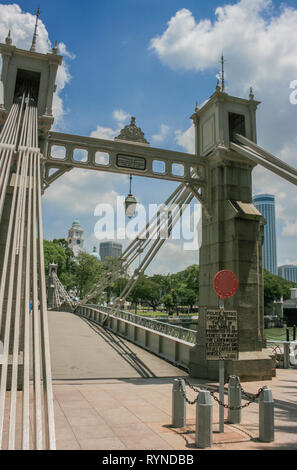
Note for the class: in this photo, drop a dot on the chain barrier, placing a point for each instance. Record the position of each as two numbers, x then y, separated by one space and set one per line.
248 396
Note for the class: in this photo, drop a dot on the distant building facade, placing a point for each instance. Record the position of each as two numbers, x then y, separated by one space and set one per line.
110 249
288 272
75 237
265 203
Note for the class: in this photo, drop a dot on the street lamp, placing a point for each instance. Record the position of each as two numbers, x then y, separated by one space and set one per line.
130 202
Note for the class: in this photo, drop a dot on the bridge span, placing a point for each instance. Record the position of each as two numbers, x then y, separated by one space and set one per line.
81 349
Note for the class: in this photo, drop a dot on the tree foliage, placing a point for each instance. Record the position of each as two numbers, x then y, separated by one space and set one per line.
275 287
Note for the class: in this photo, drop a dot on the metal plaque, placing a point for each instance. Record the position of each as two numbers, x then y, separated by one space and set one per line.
128 161
221 335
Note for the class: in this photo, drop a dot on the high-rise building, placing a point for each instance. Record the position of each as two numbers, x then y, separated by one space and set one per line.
288 272
265 203
110 249
75 237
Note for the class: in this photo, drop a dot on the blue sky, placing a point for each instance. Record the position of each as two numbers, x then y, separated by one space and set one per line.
154 59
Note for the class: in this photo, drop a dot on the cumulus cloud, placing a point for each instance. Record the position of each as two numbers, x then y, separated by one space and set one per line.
259 44
186 139
120 116
21 24
159 138
109 133
172 258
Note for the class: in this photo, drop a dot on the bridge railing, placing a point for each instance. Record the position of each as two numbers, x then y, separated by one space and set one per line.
169 342
175 331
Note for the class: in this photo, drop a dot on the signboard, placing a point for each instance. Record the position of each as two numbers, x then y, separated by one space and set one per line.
225 284
133 163
221 335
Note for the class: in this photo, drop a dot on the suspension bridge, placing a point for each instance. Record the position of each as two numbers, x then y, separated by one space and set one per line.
218 175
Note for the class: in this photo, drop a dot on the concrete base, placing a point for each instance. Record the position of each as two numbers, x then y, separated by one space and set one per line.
251 366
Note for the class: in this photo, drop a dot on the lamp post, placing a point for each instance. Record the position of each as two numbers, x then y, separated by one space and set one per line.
130 202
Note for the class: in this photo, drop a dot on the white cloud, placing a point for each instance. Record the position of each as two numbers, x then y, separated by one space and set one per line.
120 116
159 138
64 51
172 258
186 139
21 25
259 44
104 133
108 133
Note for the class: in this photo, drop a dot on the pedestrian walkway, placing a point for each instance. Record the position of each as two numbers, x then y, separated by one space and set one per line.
135 414
82 350
111 395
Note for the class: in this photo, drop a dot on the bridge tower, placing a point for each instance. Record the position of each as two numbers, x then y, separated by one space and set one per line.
232 237
22 69
27 87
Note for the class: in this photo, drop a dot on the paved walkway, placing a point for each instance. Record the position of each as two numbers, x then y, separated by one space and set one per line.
135 414
128 405
82 350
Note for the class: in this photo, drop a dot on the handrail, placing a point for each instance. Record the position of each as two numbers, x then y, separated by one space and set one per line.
175 331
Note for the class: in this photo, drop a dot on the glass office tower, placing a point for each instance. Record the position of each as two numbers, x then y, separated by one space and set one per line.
265 203
288 272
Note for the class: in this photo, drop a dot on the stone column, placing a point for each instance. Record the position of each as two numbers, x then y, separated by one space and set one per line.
232 239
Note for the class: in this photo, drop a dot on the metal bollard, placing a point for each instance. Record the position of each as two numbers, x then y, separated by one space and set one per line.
287 334
234 400
178 404
203 436
266 416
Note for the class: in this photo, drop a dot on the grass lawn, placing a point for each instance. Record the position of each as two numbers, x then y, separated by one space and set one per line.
278 334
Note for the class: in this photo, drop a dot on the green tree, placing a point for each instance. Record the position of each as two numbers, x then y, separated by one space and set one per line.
168 302
187 297
88 272
275 287
54 252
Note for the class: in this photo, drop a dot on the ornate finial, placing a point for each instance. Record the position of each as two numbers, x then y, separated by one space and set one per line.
132 133
223 72
251 95
33 47
55 48
8 40
196 107
218 87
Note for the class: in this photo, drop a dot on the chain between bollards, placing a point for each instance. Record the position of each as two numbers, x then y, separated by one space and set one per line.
250 397
204 409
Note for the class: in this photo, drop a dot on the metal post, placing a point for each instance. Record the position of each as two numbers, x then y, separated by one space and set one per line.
222 409
294 333
286 355
266 416
203 437
178 404
234 400
288 334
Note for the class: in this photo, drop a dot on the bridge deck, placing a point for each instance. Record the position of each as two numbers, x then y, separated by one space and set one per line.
82 350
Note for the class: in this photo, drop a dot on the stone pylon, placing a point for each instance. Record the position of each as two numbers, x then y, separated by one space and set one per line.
232 237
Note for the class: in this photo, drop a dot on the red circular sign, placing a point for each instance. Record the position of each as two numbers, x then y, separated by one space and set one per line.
225 284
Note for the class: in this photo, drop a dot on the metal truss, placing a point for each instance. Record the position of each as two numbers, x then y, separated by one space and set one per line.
61 294
252 151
